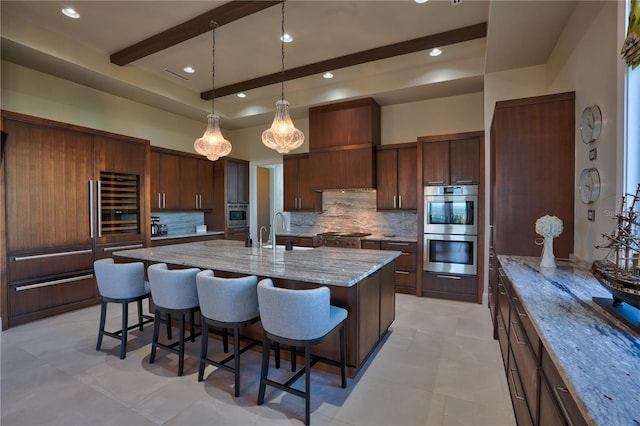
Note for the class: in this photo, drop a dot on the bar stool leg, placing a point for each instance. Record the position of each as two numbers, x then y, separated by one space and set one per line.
203 349
140 326
125 324
156 332
264 371
307 384
236 359
103 316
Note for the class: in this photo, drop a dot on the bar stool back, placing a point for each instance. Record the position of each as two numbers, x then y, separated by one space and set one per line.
298 318
121 283
174 293
226 303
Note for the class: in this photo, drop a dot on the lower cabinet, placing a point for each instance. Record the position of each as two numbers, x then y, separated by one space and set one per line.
450 286
183 240
237 234
538 393
295 240
406 264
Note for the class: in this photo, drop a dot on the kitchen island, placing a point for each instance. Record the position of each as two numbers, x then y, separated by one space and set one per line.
361 281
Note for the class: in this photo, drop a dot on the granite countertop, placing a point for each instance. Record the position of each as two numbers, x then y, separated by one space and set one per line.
373 237
186 235
322 265
597 356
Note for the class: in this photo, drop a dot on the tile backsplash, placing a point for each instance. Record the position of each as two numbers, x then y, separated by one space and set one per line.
353 212
181 223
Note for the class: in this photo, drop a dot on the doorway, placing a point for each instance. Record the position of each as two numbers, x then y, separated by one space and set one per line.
265 198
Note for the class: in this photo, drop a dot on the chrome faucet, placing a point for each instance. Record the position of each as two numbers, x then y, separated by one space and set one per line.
273 228
260 238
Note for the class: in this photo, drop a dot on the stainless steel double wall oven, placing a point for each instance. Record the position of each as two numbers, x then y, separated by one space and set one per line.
451 229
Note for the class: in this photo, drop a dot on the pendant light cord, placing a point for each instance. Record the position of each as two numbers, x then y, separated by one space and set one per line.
282 56
214 25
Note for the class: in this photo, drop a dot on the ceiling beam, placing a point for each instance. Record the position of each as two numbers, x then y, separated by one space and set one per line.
201 24
459 35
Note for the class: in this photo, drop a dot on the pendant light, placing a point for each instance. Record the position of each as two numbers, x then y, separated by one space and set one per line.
282 135
212 144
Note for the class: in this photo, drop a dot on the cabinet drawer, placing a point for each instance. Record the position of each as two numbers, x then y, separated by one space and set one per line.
527 364
503 340
561 397
25 267
405 281
403 246
518 399
406 261
106 251
518 313
449 286
370 245
50 292
503 303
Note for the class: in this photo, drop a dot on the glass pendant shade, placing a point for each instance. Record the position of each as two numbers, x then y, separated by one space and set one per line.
212 144
282 135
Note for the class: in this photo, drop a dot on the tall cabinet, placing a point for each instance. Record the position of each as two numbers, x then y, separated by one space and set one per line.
72 195
532 172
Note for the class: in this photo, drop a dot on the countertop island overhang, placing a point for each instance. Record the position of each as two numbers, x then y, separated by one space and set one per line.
361 281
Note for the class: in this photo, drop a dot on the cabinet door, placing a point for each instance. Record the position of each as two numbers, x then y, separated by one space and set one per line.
407 178
387 179
156 194
165 181
48 172
243 182
435 163
232 182
464 161
189 183
290 177
205 184
307 199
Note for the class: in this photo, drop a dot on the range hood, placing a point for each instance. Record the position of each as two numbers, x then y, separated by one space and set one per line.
342 141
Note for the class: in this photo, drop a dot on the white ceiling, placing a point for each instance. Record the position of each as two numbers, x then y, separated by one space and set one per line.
520 33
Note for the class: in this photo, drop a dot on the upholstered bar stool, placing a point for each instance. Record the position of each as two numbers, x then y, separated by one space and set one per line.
298 318
121 283
174 293
226 303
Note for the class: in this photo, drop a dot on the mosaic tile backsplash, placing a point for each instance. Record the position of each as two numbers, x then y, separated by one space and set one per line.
353 212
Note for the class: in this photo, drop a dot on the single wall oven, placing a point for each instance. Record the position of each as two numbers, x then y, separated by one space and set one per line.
451 229
237 215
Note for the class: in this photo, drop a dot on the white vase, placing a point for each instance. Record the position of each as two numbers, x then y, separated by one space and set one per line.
548 260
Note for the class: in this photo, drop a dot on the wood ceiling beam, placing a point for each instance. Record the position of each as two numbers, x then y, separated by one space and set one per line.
201 24
459 35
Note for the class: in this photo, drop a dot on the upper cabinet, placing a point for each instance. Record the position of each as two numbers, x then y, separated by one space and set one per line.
180 182
298 195
451 160
342 140
396 177
237 181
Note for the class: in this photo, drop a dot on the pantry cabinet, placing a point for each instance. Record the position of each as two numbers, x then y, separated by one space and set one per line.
298 195
165 181
196 184
237 181
71 194
396 177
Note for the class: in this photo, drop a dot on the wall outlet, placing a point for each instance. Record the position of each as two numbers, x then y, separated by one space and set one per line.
591 215
593 154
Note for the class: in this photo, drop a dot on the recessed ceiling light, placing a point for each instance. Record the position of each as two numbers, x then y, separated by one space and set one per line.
189 70
327 75
70 12
242 95
421 1
286 38
435 52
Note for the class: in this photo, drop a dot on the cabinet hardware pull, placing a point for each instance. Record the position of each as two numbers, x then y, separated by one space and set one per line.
159 200
44 256
399 201
515 384
516 302
197 207
436 182
164 200
99 209
404 254
391 243
402 272
133 246
514 326
91 209
464 181
394 201
501 272
50 283
556 391
449 277
299 202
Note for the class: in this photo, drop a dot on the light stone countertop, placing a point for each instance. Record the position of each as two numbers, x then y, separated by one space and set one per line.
322 265
597 356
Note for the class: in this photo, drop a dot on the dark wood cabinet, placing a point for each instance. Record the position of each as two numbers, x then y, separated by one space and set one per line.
342 139
165 181
295 240
396 177
451 161
449 286
532 172
71 192
406 265
196 184
237 181
298 195
538 393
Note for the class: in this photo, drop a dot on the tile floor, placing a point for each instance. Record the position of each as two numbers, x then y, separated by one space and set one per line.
438 366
